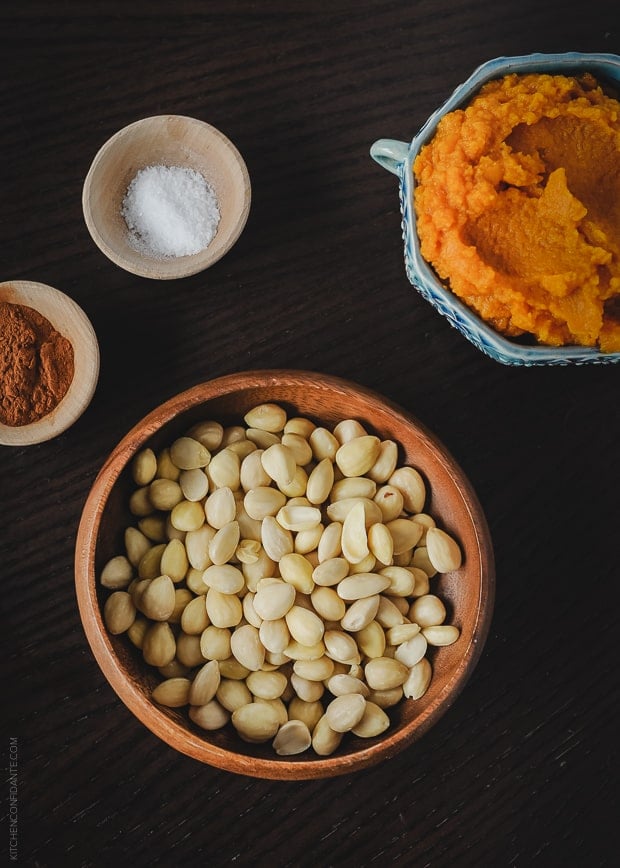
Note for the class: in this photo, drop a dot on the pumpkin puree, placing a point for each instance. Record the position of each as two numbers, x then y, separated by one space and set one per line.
518 208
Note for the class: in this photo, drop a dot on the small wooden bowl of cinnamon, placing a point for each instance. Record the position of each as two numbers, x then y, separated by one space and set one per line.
49 362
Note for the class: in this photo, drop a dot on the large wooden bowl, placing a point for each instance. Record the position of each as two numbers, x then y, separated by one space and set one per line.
468 592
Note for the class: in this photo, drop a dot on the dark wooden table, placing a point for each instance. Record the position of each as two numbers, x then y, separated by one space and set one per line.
522 769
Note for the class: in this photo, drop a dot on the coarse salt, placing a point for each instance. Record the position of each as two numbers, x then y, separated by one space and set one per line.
170 211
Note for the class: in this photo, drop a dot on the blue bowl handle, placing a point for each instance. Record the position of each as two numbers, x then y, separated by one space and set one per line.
391 154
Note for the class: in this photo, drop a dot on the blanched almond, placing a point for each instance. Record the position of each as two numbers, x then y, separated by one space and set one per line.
325 740
224 470
354 538
297 571
307 541
341 647
187 453
381 543
119 612
164 494
304 625
223 545
314 670
144 467
252 473
328 604
362 585
299 446
412 651
348 429
276 540
330 545
405 534
224 610
224 578
401 581
279 463
174 562
355 457
196 546
341 684
274 635
443 551
267 417
388 615
371 640
173 692
220 507
344 712
233 693
211 716
204 686
256 722
385 465
309 691
418 680
330 572
157 600
354 486
159 646
373 722
263 501
118 572
267 685
390 501
384 673
339 509
320 482
187 515
401 633
323 443
292 738
445 634
298 518
247 648
360 614
427 611
299 425
412 487
194 484
209 433
136 545
273 598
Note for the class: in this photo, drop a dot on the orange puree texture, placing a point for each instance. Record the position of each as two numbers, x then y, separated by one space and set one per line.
517 201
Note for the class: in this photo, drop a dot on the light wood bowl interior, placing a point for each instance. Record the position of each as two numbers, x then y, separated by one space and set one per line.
69 320
468 592
171 140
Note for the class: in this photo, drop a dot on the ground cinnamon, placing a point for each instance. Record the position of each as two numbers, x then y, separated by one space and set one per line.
36 365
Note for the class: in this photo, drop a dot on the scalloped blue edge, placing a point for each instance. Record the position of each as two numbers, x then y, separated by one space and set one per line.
420 275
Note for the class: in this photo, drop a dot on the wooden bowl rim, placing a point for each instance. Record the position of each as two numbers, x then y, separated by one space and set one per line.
172 732
54 305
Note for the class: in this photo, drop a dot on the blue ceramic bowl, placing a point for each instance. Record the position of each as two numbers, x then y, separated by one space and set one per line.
397 157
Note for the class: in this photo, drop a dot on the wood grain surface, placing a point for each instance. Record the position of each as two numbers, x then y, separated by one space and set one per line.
523 768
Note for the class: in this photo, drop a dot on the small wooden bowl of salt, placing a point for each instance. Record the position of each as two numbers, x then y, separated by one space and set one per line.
166 197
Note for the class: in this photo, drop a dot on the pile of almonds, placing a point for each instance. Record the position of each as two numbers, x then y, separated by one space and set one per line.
278 578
